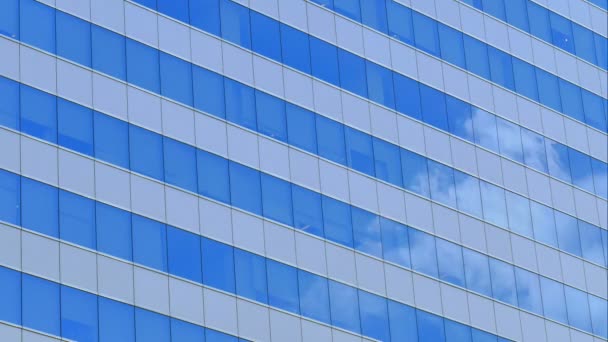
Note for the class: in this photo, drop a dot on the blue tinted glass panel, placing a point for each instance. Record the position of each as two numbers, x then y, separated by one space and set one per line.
380 85
216 336
430 327
307 210
276 199
539 21
324 60
235 23
425 34
459 118
342 297
567 233
509 140
517 14
186 332
10 197
245 188
468 194
240 104
148 3
180 164
501 68
146 152
150 326
543 223
558 161
477 272
314 296
583 43
601 50
415 173
330 137
441 180
374 316
114 231
38 25
402 319
143 66
482 336
407 96
387 162
265 36
400 23
422 251
218 265
493 201
572 103
600 174
598 308
9 101
484 125
250 271
580 166
373 14
40 305
177 9
176 79
561 32
283 286
149 243
75 126
528 291
518 209
111 139
535 154
10 296
73 38
38 114
39 207
337 221
578 308
495 8
352 73
359 151
77 219
79 321
9 18
548 89
348 8
451 266
116 321
503 281
395 242
108 52
452 46
208 91
205 14
595 111
271 116
455 331
213 178
366 229
301 128
434 110
184 254
591 243
295 48
525 82
476 54
554 302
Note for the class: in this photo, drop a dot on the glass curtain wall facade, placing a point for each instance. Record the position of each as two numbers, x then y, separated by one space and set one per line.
295 170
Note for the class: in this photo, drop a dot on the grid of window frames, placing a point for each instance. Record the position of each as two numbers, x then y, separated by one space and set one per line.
548 26
76 219
264 35
73 314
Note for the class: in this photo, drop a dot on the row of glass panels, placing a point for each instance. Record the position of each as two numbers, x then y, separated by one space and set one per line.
174 78
79 220
310 55
73 314
59 121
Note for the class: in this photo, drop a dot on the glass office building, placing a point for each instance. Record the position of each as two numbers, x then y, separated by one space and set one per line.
303 170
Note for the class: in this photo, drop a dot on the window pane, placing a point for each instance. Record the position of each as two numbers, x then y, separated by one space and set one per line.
407 96
213 178
476 54
10 296
40 300
535 154
9 101
509 139
177 9
114 231
116 321
180 164
554 303
348 8
314 296
240 104
143 66
307 210
525 82
271 116
73 38
441 180
276 197
459 118
518 208
567 233
425 34
111 140
380 85
10 197
9 18
186 332
265 36
434 111
484 125
528 291
38 114
337 221
415 173
495 8
184 251
468 194
152 327
572 103
149 243
423 252
38 25
580 166
359 151
402 322
366 229
374 15
205 14
503 281
352 73
430 327
600 177
456 332
245 188
557 160
146 152
109 52
250 272
324 61
39 207
344 306
517 14
78 315
548 89
451 268
387 162
539 21
77 219
75 127
561 31
477 272
543 223
578 308
218 265
452 46
501 68
591 243
235 23
395 242
295 48
283 286
595 111
493 201
598 307
374 316
330 137
176 78
301 128
208 91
